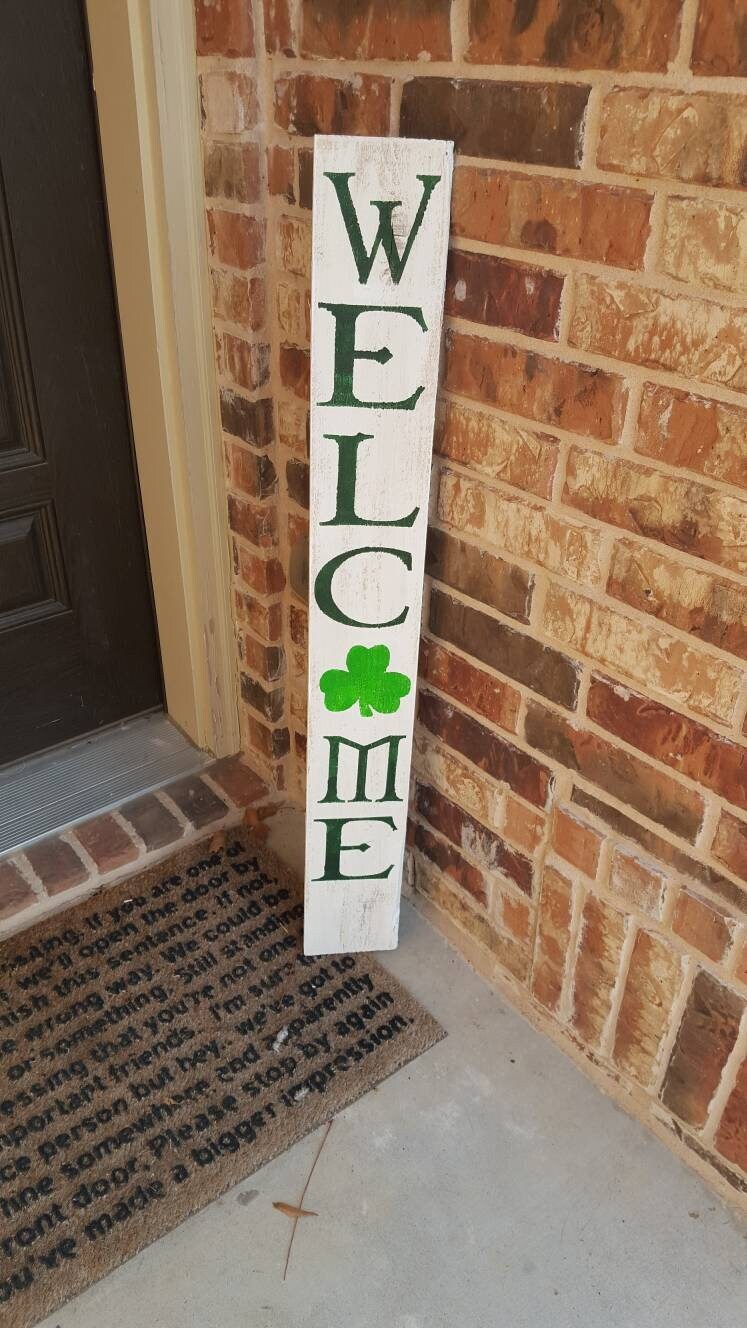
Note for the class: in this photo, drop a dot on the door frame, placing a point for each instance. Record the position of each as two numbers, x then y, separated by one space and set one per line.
145 86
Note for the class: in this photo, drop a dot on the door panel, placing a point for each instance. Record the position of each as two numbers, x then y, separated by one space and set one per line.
77 638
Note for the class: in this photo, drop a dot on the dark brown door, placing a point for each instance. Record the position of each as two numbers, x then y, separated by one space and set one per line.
77 639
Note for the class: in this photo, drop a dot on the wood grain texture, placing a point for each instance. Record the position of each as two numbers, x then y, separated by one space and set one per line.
371 603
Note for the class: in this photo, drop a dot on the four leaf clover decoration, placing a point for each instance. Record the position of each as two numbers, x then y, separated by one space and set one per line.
367 681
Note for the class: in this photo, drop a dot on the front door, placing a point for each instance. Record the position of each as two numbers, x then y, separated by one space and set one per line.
77 638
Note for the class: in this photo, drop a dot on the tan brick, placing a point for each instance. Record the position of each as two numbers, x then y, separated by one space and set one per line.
730 844
720 46
238 300
522 826
690 516
464 786
705 1040
446 858
576 842
688 431
652 983
509 954
641 34
731 1139
294 246
641 884
597 965
370 30
293 314
496 448
709 607
698 137
229 102
293 418
642 653
553 932
570 396
606 225
702 925
697 338
309 104
520 527
705 244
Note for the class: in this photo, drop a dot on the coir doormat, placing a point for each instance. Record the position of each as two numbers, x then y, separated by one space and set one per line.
159 1043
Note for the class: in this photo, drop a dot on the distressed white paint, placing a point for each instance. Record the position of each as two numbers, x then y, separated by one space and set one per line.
392 479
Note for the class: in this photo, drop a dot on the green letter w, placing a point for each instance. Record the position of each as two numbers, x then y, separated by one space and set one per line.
385 234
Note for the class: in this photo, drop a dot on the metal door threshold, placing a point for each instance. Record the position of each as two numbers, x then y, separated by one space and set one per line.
93 774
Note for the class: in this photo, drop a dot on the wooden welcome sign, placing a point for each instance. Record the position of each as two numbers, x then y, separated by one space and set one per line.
380 233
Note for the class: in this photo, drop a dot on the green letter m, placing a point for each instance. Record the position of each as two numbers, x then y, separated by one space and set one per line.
385 234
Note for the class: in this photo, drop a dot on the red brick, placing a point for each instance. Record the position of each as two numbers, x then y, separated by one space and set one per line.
473 838
697 137
265 660
268 702
706 523
720 41
731 1139
576 842
702 925
457 907
553 932
228 101
236 240
281 173
488 696
515 915
265 575
246 362
530 122
250 474
299 625
232 170
597 965
672 738
298 560
309 104
627 779
730 844
570 396
273 743
709 607
279 37
107 843
57 865
505 649
15 892
506 763
196 801
641 34
496 447
641 884
468 788
372 30
516 525
257 524
651 986
295 370
704 1043
692 432
266 620
486 289
252 421
224 27
479 574
153 823
297 481
451 863
588 221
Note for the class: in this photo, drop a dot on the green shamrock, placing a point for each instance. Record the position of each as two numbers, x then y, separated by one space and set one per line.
366 681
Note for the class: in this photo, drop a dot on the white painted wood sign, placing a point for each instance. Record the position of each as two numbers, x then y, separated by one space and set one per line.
380 235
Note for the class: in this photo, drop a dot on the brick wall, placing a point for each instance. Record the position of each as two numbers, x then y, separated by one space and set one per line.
579 818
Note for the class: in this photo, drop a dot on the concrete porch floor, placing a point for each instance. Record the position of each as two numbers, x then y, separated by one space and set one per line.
487 1185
